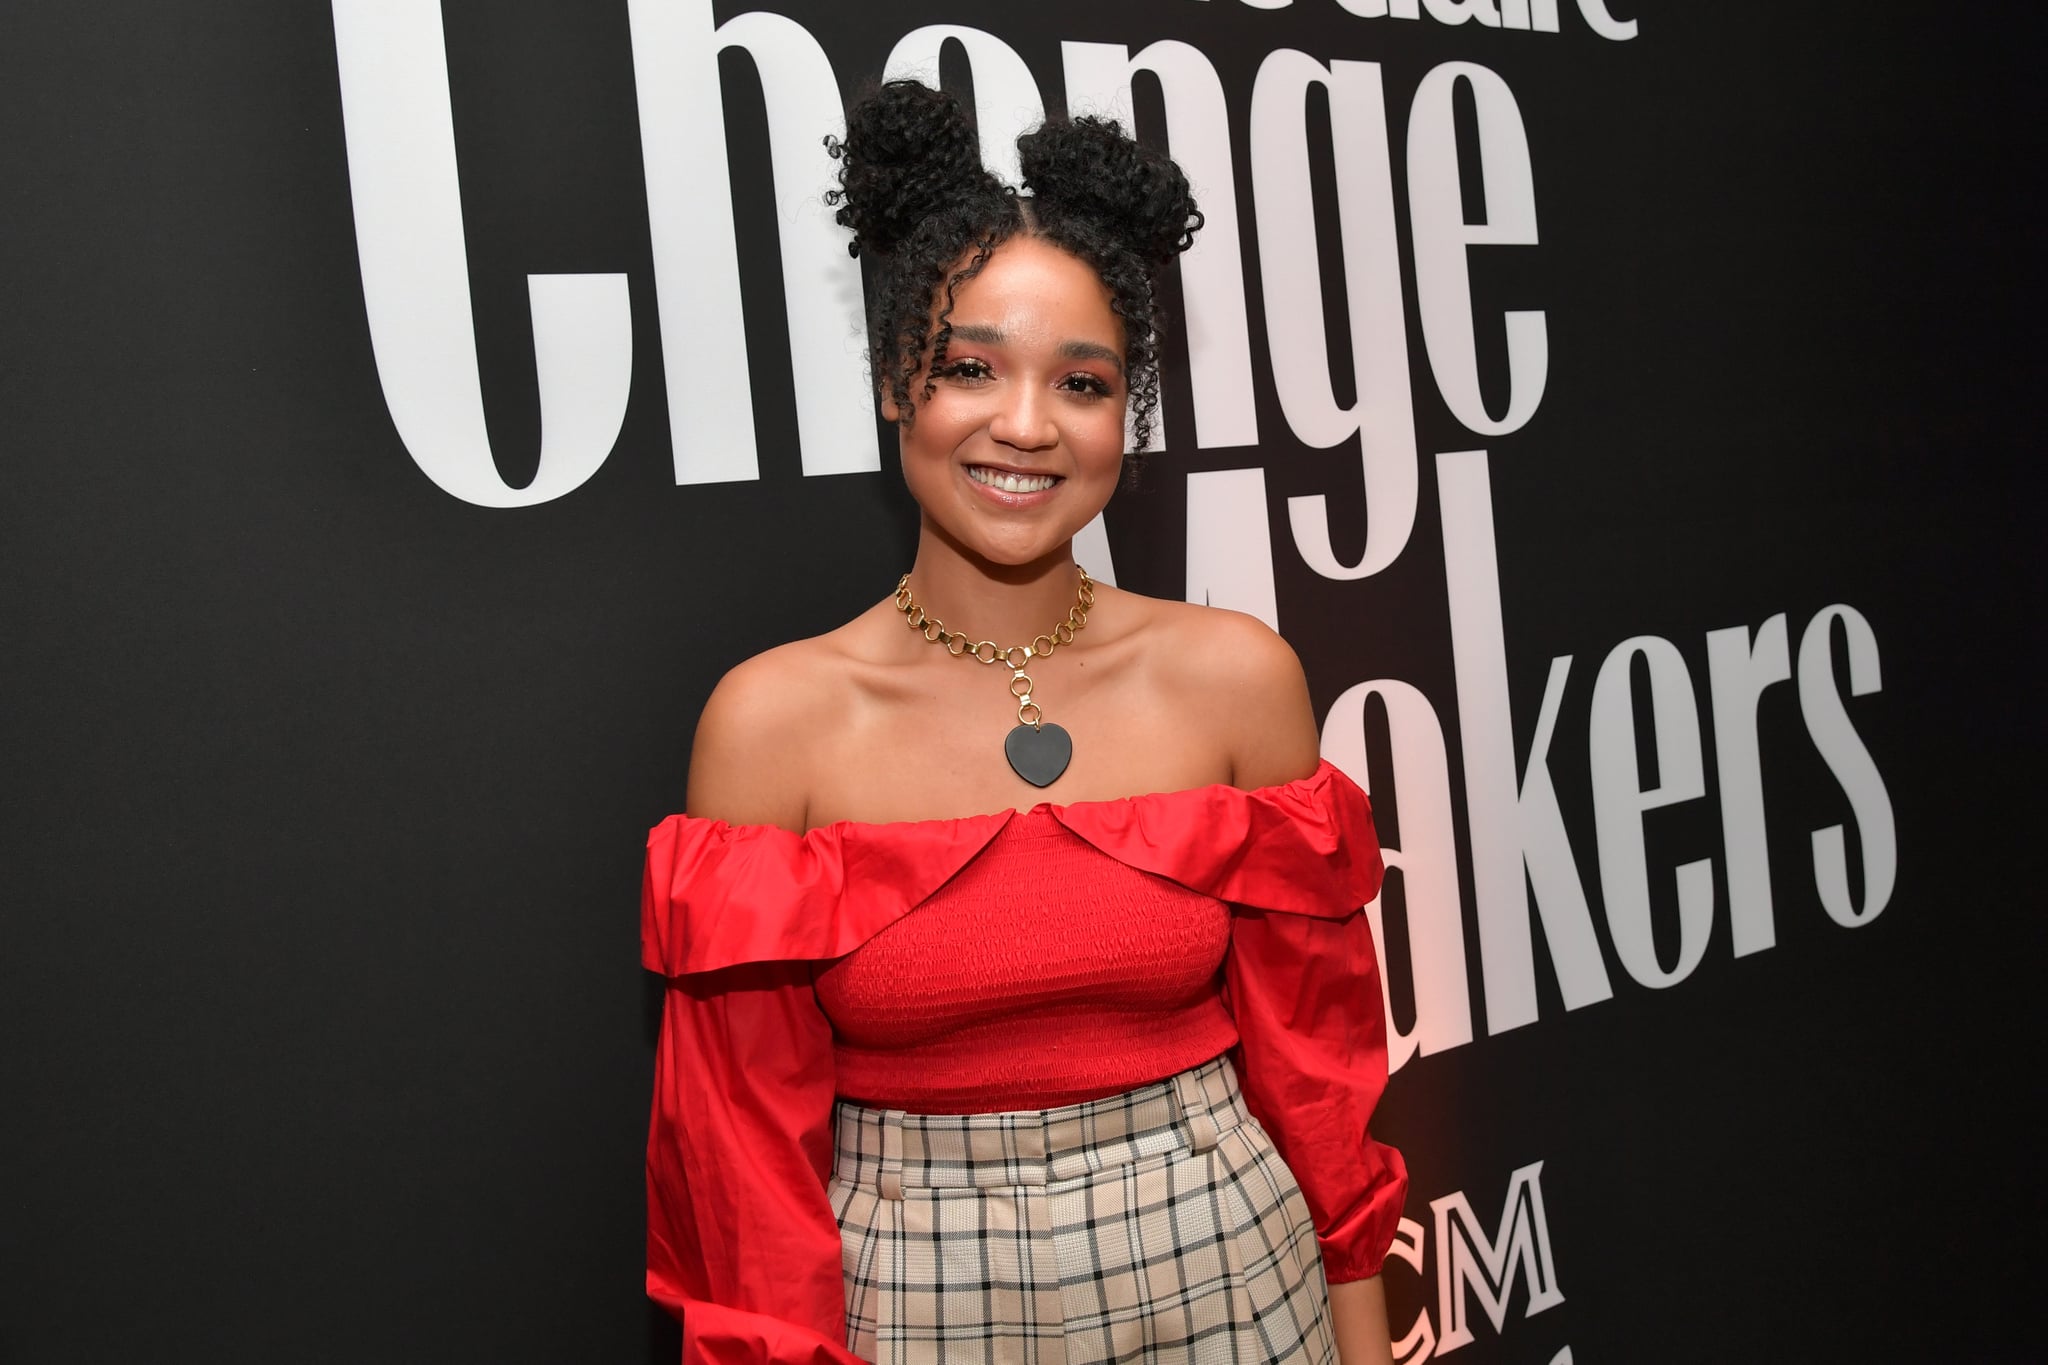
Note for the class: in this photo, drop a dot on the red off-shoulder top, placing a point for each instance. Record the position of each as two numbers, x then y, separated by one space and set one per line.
741 1241
1044 973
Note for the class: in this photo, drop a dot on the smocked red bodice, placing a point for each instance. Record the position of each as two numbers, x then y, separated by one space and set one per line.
1044 973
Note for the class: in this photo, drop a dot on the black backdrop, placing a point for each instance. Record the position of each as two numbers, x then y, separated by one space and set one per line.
324 1033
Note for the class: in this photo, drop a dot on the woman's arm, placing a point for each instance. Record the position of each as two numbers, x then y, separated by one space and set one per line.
1358 1313
742 1244
1277 740
746 763
1240 684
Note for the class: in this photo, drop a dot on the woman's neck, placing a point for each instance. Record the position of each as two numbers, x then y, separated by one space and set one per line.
1006 603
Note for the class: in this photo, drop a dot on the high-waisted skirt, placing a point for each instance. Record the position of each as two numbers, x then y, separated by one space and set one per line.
1156 1225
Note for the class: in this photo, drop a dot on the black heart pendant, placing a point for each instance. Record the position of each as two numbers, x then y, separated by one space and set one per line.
1039 753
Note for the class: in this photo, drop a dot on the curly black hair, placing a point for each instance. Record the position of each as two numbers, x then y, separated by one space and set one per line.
927 215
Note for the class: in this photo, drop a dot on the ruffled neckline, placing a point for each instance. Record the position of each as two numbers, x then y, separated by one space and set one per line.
909 827
719 895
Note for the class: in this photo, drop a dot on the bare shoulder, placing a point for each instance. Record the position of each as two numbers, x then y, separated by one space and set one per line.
1220 637
1238 672
747 760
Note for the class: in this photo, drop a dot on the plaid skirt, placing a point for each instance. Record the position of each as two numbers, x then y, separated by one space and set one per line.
1157 1225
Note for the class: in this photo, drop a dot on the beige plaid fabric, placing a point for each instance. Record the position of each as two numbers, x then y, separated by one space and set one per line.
1158 1225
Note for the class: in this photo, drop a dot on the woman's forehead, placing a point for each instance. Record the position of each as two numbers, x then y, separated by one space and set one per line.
1030 293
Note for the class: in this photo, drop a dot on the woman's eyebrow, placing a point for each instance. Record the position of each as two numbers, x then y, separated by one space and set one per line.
1091 350
988 334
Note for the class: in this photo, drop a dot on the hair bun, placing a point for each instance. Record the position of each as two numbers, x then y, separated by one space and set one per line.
909 151
1087 168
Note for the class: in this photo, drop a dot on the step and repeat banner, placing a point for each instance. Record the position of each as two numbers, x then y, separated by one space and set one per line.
1623 408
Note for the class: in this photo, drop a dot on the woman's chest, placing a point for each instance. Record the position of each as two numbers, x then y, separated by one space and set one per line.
1039 921
934 747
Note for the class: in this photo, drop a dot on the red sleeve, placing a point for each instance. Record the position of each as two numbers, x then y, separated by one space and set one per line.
1313 1061
741 1241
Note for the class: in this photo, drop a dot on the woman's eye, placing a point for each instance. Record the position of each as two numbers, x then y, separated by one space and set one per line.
972 371
1087 385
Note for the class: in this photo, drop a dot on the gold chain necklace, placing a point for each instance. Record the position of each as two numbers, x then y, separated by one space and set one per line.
1038 751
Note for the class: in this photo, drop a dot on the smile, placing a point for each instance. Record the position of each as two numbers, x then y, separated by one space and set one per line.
1011 483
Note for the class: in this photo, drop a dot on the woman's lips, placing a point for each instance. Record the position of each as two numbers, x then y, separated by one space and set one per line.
1010 481
1011 488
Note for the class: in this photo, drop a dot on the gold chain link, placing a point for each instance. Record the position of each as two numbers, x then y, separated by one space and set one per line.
1015 658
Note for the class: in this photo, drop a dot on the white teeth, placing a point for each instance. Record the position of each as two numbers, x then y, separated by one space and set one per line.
1011 483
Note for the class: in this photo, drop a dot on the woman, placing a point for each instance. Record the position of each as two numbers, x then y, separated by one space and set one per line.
950 1071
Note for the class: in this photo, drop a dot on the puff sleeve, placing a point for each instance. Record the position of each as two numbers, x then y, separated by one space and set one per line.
741 1240
1312 1058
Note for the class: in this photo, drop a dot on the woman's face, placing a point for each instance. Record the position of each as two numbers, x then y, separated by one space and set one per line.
1021 442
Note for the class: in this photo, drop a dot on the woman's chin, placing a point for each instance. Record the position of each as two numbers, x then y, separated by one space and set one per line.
1007 541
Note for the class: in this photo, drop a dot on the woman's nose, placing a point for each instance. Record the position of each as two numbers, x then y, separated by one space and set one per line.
1023 419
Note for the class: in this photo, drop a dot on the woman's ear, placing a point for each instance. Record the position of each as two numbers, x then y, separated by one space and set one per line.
887 402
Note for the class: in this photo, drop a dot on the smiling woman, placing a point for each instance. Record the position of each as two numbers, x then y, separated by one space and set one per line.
944 1075
1019 440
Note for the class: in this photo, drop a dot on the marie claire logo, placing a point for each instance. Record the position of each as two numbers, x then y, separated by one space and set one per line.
1475 1269
1528 16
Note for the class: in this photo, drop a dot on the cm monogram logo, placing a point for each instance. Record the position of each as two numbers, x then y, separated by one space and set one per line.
1475 1268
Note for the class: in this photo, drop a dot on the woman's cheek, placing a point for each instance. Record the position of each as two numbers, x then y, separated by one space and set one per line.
1106 433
